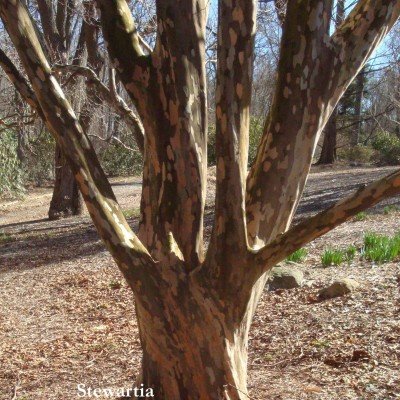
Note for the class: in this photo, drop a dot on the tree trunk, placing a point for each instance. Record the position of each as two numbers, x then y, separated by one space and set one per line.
190 348
66 200
328 152
355 139
194 309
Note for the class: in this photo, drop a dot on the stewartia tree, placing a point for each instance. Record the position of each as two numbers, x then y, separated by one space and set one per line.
194 308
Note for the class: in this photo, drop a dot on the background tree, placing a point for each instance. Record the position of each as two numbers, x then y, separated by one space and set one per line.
194 309
328 152
88 80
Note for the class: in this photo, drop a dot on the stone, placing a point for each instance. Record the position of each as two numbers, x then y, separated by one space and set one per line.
338 288
285 278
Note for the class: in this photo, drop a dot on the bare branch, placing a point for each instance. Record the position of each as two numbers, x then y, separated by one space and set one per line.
20 83
355 40
112 99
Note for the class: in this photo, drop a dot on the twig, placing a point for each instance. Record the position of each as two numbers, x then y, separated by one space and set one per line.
241 391
16 387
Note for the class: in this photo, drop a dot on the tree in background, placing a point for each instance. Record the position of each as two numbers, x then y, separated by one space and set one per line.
328 152
70 37
194 308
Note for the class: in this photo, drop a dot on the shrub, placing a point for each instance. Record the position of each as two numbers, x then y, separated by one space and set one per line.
360 153
255 133
211 154
381 248
388 146
11 173
298 256
39 165
120 161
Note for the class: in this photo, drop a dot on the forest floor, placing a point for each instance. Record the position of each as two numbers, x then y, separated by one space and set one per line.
67 317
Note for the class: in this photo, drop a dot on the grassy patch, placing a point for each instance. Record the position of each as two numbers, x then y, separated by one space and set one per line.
298 256
131 212
390 209
5 237
350 253
361 216
381 248
332 257
337 256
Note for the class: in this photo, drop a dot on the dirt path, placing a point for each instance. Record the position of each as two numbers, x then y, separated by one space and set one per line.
67 317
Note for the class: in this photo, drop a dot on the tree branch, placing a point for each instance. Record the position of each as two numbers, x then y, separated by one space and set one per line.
123 43
355 40
237 24
20 83
112 99
320 224
277 178
130 254
314 72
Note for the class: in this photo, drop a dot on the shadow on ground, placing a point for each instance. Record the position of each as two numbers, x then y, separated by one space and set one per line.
41 242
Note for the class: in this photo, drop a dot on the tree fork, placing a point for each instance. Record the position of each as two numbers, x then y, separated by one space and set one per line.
193 325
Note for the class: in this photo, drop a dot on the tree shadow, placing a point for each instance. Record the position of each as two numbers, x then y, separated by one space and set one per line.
27 249
42 242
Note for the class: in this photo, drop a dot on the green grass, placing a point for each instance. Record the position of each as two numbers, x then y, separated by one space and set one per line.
298 256
131 212
361 216
390 209
5 237
350 253
337 256
332 257
380 248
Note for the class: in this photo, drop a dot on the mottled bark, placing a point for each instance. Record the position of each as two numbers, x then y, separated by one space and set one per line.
65 200
237 21
313 73
193 313
168 90
314 227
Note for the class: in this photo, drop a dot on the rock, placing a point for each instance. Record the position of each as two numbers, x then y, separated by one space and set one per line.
285 278
338 288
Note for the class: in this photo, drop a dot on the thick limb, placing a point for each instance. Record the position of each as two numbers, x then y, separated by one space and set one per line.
106 214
